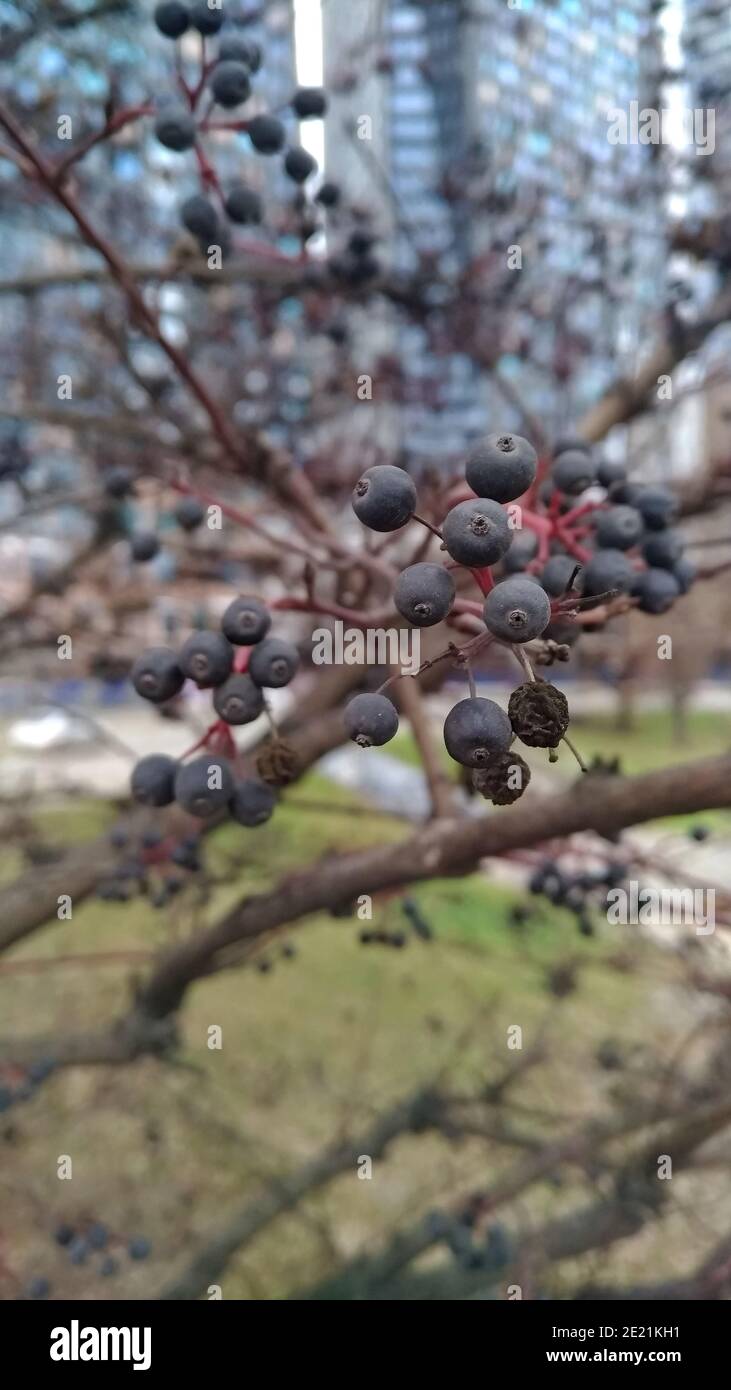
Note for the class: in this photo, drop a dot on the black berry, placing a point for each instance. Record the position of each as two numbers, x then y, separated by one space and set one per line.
475 729
309 102
204 786
231 83
273 662
206 19
171 18
118 483
238 700
207 658
477 533
424 594
243 205
618 528
384 498
175 130
370 720
557 574
657 506
299 164
246 621
502 467
516 610
266 134
153 780
573 472
199 217
328 194
607 570
156 674
663 549
189 513
144 545
656 590
252 802
240 50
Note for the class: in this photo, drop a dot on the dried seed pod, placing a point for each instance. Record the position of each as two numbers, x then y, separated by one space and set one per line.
503 780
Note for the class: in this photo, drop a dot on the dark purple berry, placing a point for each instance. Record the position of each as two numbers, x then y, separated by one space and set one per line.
476 729
238 700
384 498
658 507
370 720
246 621
573 472
144 545
502 467
171 18
175 130
477 533
663 549
328 194
309 102
610 473
273 662
118 483
207 658
557 574
607 570
199 217
189 513
266 134
204 786
231 83
685 572
153 780
516 610
235 48
139 1248
299 164
656 590
424 594
156 674
97 1236
618 528
63 1234
205 18
252 802
524 548
243 205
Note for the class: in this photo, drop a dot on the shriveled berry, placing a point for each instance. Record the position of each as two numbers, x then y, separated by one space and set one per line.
573 472
370 720
424 594
156 674
144 545
243 205
238 700
252 802
273 662
656 590
516 610
558 572
607 570
539 714
266 134
199 217
189 513
246 621
205 18
299 164
175 130
309 102
207 658
384 498
204 786
618 528
663 549
477 533
503 466
503 780
231 83
171 18
153 780
475 729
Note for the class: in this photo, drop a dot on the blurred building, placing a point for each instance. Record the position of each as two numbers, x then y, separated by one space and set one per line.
490 130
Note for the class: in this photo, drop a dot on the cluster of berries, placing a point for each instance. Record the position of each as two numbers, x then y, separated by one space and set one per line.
491 1250
555 554
24 1086
188 513
229 77
583 893
82 1242
238 663
146 867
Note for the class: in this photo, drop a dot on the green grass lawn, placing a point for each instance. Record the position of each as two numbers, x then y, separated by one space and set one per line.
314 1048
